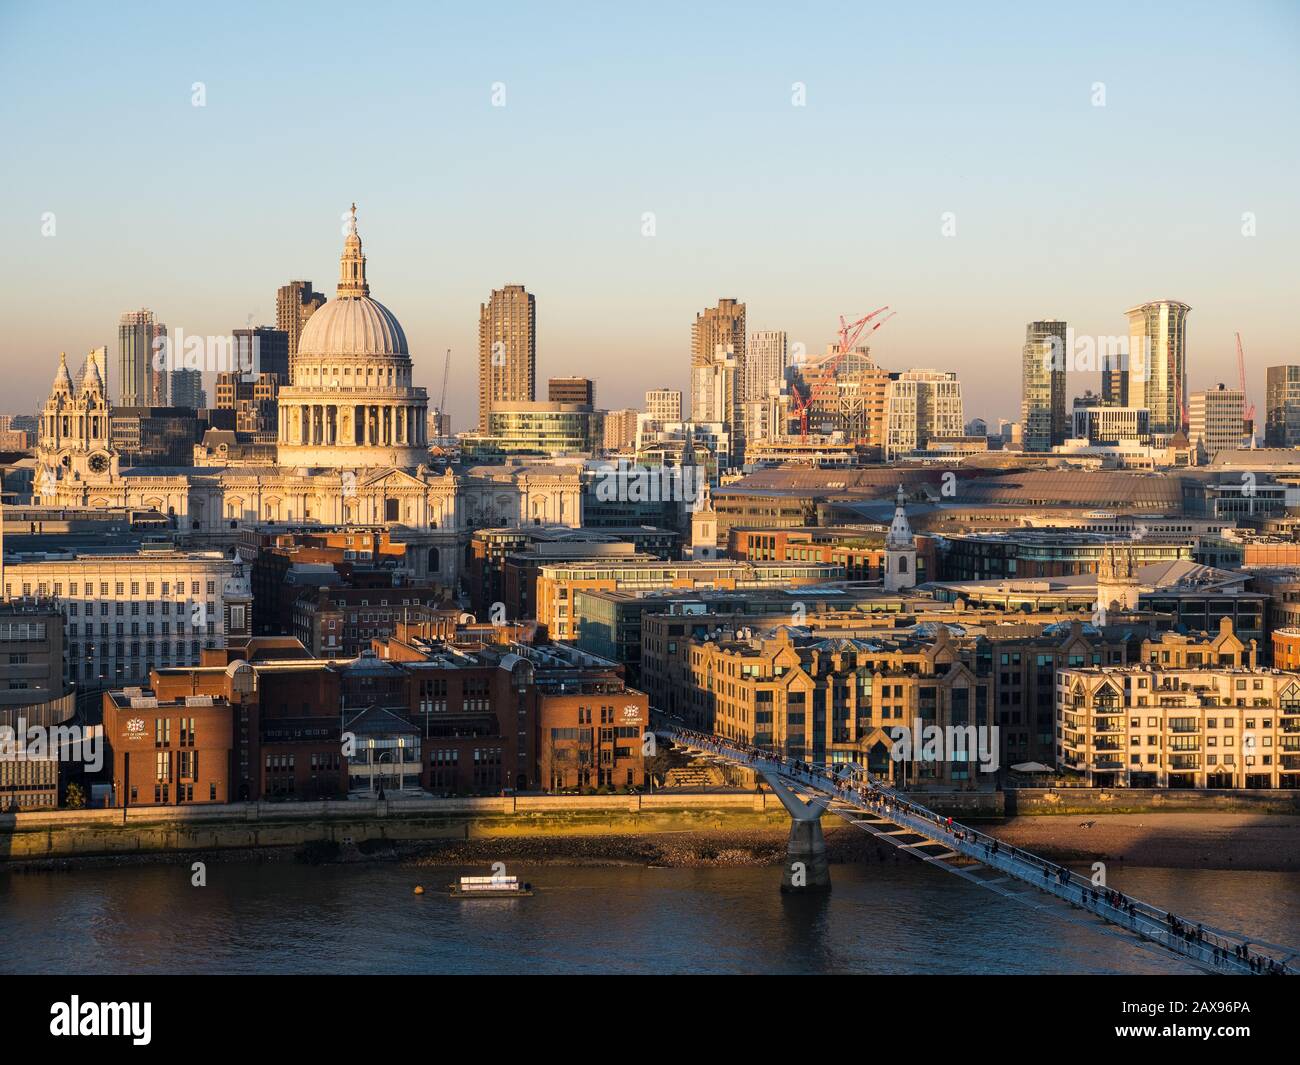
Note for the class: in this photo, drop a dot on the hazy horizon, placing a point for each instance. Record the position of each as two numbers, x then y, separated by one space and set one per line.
1062 209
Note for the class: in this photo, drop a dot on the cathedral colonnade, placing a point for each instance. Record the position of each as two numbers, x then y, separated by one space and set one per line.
328 424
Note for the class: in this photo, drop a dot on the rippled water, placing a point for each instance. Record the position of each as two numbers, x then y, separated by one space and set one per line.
889 917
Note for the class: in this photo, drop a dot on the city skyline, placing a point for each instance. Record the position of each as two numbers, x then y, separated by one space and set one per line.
207 256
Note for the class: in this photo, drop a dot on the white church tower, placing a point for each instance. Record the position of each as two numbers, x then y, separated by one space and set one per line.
900 550
698 502
75 440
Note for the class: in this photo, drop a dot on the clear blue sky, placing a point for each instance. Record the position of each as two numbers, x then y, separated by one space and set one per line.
1062 209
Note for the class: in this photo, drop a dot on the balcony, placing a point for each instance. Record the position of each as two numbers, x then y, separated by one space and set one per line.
1185 761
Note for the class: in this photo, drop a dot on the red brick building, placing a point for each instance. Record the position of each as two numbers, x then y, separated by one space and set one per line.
487 714
272 725
860 550
455 716
590 735
342 622
169 750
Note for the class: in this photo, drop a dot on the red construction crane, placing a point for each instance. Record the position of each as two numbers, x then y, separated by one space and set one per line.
1247 407
849 336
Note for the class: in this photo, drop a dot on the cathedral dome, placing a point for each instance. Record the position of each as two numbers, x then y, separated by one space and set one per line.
352 325
350 403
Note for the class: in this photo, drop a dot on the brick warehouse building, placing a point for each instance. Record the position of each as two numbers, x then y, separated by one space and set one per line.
494 716
455 714
263 730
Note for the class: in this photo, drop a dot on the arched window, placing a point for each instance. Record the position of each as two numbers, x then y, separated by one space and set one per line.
435 560
902 563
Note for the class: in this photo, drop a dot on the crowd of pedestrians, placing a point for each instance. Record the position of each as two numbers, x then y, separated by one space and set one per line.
854 783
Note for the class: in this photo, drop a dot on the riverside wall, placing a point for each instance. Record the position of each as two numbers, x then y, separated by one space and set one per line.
142 829
145 829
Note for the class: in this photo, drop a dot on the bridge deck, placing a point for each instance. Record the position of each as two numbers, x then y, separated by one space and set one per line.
891 814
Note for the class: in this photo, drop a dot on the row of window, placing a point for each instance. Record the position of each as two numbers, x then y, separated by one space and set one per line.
119 588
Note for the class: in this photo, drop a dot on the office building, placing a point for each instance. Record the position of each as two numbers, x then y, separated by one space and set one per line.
262 350
1042 402
1153 372
154 436
139 338
845 393
507 350
128 610
186 389
921 406
620 429
716 396
558 583
766 358
1282 407
1215 421
720 329
664 404
294 304
571 390
1111 425
544 429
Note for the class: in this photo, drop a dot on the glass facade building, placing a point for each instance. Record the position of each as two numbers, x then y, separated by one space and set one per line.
1042 402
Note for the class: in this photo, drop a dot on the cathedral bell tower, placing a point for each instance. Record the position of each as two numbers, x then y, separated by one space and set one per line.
75 440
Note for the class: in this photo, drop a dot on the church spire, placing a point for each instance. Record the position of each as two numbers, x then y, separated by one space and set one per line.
900 532
62 379
352 264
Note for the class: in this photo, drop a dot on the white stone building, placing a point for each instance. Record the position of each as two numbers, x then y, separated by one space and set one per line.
353 449
128 611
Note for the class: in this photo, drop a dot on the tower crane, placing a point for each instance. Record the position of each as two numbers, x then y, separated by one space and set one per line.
849 334
442 399
1247 407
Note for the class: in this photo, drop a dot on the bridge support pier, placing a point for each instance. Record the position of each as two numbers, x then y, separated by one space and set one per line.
806 868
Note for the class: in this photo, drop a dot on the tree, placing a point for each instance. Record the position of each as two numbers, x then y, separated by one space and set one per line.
658 764
75 797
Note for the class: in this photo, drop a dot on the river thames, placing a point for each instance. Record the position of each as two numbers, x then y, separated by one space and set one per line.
886 917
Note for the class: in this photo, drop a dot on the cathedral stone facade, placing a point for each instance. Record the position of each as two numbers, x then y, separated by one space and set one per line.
352 450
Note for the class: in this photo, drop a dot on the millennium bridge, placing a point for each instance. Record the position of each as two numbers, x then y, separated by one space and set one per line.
808 790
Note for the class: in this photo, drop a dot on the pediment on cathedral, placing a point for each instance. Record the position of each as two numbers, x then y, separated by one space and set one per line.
390 478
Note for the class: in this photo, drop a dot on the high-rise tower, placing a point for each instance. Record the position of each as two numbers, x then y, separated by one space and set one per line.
1155 376
507 350
765 362
140 383
1042 396
720 329
294 304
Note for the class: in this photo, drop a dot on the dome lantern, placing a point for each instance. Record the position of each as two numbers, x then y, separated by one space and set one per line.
352 264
